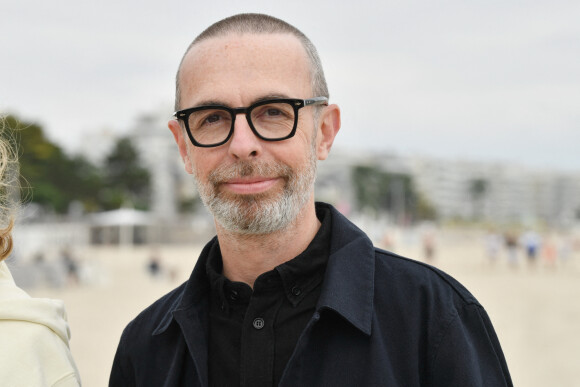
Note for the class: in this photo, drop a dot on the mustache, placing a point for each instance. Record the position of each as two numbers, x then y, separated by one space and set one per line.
249 169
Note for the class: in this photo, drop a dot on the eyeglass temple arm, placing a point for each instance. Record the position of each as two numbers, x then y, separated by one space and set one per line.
316 101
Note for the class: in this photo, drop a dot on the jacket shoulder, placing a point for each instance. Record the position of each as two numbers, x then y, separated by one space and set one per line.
418 278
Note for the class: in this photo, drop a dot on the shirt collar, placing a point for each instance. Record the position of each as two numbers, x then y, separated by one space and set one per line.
305 272
297 277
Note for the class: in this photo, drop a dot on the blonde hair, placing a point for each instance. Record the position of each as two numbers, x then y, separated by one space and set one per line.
8 182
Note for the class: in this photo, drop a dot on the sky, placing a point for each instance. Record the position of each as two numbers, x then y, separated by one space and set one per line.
478 80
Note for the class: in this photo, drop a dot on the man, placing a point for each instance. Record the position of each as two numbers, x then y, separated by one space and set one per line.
290 292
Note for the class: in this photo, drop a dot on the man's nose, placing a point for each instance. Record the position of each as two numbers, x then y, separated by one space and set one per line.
244 143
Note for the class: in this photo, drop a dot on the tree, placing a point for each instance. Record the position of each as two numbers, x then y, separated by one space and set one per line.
477 191
395 193
52 178
126 181
424 210
371 187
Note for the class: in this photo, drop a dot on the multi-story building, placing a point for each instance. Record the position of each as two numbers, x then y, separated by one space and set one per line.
475 190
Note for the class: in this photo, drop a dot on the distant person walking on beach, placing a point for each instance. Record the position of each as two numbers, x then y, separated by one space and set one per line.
34 333
428 243
493 244
290 292
511 244
531 242
71 266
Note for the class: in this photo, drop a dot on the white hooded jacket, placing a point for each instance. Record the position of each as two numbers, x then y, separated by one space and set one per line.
34 337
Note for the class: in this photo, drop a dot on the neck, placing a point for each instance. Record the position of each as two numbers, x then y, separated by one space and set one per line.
245 257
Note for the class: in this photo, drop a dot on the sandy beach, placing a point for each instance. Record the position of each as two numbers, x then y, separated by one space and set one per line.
535 310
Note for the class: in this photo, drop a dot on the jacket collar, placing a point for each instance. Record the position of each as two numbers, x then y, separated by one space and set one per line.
189 312
348 287
192 294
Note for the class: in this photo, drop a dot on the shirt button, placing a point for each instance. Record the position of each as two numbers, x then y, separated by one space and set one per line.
296 291
234 295
258 323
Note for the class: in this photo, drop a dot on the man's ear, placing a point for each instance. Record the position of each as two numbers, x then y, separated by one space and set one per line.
328 127
182 142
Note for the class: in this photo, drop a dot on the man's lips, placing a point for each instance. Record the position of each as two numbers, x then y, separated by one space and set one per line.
249 185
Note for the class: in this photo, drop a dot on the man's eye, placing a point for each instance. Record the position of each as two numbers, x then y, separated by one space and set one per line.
212 119
273 112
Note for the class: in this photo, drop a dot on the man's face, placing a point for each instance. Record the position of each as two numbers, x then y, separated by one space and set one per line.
250 185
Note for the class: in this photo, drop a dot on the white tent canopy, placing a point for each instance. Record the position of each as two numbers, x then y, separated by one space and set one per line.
124 218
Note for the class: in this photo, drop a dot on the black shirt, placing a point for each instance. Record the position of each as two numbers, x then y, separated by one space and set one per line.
252 334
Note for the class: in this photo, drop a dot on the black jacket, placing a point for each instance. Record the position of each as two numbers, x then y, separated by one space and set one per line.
381 320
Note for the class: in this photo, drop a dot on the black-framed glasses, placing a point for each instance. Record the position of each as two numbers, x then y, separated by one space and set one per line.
270 120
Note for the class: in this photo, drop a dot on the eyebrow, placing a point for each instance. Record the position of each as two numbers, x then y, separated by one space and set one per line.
215 102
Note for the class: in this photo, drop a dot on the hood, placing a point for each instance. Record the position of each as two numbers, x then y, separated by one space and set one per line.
17 305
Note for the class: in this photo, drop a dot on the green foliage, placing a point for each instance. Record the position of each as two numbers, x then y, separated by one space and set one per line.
424 210
377 190
477 190
189 205
126 181
55 179
371 187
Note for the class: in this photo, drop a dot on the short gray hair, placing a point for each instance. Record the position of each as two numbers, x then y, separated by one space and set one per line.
254 23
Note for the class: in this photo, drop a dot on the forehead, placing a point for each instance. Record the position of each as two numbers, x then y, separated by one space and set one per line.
244 67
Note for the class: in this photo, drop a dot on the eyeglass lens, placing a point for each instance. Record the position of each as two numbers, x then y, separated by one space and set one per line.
212 125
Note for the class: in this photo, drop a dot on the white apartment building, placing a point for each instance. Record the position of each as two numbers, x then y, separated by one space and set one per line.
511 193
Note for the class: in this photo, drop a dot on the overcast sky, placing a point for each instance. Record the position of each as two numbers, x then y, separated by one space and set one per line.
491 80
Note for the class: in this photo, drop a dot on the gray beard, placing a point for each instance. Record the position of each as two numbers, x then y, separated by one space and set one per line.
261 213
